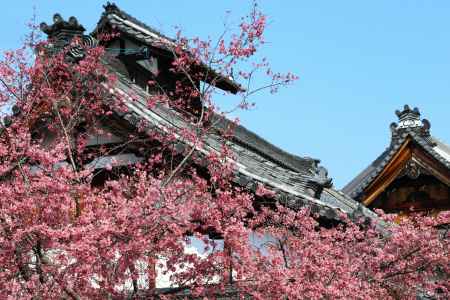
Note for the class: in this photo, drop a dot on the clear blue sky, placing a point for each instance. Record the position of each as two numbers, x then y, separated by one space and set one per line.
358 62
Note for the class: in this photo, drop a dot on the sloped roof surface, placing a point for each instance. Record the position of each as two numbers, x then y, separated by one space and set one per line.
291 177
442 149
260 145
255 153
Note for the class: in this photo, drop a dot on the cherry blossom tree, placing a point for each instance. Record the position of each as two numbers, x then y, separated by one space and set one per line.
66 235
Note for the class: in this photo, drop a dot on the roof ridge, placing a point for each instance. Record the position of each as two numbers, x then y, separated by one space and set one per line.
112 8
272 147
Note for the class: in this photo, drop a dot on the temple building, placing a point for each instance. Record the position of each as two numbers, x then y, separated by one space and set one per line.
412 174
138 53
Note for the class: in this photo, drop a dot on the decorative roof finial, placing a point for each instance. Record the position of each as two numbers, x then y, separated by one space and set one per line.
61 33
409 122
110 7
408 118
61 28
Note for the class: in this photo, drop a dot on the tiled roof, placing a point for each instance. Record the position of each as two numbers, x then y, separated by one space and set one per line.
296 180
260 145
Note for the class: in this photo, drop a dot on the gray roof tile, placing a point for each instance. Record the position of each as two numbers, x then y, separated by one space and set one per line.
258 161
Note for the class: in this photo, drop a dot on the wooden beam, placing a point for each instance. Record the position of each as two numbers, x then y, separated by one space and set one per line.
389 174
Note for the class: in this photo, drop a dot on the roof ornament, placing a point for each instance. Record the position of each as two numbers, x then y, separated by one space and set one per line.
62 32
318 181
110 7
410 123
61 28
408 117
